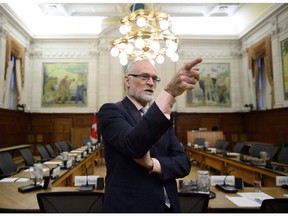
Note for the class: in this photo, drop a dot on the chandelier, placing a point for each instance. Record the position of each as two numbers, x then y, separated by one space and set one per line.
146 35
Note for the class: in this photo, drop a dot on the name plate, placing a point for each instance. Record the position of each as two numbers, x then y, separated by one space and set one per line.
78 158
230 180
81 180
55 172
84 154
281 180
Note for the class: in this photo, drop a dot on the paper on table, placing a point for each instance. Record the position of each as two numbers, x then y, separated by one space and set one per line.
243 201
256 195
15 180
53 162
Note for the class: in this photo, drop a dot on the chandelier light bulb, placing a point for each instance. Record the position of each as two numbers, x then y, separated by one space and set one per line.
174 57
139 43
164 24
160 59
123 29
141 22
129 48
155 46
114 52
123 61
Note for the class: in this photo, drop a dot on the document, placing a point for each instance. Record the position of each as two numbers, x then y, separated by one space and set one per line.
249 199
14 179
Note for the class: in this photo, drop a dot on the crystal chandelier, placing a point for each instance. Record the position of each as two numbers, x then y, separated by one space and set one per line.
146 35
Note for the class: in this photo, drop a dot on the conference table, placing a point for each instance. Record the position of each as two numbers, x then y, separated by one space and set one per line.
13 201
241 169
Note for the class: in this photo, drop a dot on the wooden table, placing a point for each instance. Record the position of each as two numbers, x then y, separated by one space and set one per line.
243 170
13 201
14 148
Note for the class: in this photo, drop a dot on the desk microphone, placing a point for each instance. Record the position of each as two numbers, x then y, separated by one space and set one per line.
226 187
86 187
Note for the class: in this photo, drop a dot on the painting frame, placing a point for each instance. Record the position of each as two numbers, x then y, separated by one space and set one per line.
284 59
64 84
213 88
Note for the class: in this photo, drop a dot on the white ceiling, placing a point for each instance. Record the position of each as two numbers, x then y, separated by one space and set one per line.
44 19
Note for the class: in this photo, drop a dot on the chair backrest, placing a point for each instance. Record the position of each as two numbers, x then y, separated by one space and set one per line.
193 202
8 166
85 140
70 202
283 155
199 141
43 152
58 146
256 148
28 156
219 143
64 146
225 145
277 205
50 151
238 147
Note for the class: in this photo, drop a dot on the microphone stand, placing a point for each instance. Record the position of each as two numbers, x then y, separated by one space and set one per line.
86 187
226 187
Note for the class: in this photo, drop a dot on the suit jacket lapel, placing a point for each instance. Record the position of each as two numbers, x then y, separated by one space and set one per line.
131 109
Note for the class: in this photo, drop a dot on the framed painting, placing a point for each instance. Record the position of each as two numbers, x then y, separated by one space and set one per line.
64 84
284 56
213 88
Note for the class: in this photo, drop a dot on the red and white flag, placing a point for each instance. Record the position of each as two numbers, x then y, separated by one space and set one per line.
94 135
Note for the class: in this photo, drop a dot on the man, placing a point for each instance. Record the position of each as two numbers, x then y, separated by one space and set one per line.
143 155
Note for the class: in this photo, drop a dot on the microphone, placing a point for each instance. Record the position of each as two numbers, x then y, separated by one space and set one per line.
86 187
226 187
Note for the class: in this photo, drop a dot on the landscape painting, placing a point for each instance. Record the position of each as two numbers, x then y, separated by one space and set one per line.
213 88
64 84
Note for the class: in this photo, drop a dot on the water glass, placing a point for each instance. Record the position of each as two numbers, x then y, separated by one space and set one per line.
203 181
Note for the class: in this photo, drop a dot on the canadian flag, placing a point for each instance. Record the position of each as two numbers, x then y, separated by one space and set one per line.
94 135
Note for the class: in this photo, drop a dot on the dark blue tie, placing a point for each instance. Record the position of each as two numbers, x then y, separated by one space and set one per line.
143 110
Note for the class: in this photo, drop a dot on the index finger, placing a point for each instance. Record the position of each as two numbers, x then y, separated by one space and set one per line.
191 64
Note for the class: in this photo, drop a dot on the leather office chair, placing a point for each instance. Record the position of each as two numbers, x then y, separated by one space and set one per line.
256 148
278 205
238 147
8 166
59 148
71 146
225 145
28 157
219 143
283 155
199 141
50 151
70 202
64 146
85 140
43 152
193 202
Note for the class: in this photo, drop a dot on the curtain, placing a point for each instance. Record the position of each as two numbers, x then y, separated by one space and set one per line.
18 79
262 49
7 84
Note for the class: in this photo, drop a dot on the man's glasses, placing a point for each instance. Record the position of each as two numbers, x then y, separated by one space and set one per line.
146 77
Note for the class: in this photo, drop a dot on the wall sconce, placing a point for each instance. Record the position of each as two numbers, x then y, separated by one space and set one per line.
21 107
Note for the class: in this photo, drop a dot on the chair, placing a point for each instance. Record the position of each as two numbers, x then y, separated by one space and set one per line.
238 147
43 152
277 205
193 202
8 166
283 155
219 143
28 156
255 150
225 145
199 141
71 146
50 151
59 148
64 146
85 140
70 202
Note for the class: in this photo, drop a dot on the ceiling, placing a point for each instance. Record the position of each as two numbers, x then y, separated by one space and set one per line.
50 19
